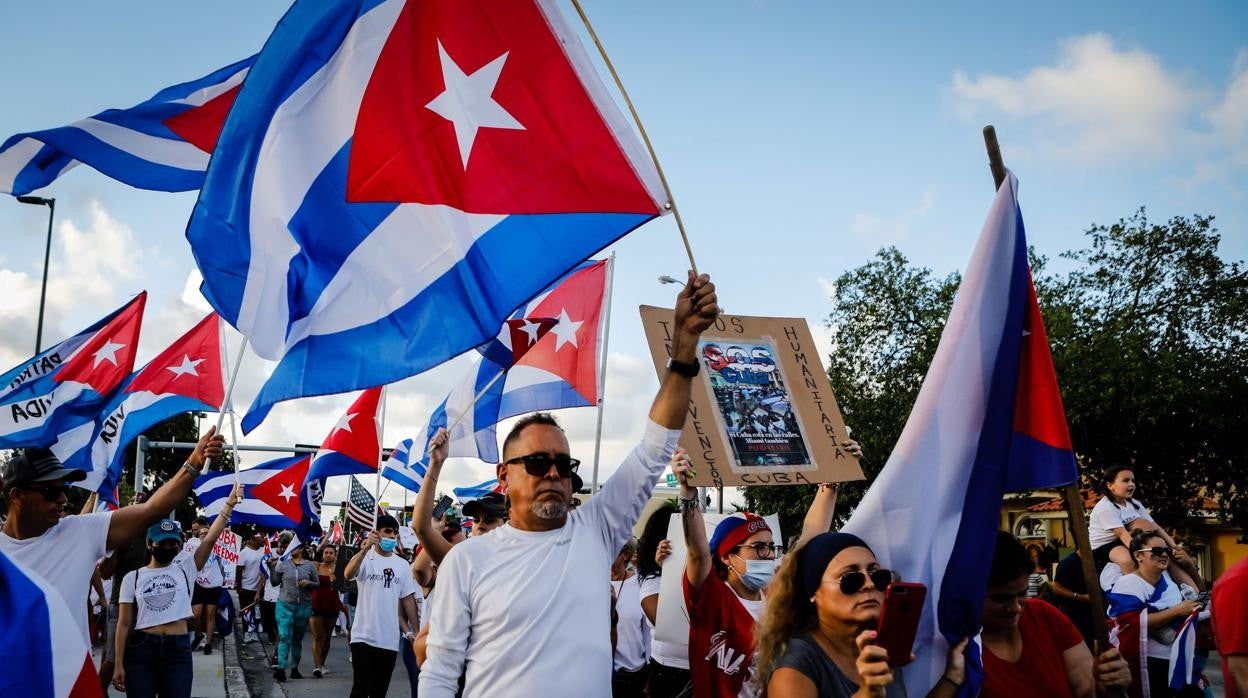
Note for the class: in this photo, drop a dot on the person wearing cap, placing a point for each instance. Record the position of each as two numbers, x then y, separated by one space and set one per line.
153 646
385 612
487 513
523 610
64 550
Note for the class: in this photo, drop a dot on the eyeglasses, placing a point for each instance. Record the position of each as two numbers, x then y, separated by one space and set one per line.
51 493
1160 550
765 551
853 582
538 464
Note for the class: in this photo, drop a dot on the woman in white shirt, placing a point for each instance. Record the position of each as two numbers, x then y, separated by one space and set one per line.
153 638
632 629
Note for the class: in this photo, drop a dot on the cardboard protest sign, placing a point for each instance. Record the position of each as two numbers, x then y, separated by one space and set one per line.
671 620
762 410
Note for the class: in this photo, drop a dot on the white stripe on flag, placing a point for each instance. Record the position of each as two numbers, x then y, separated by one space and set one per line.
163 151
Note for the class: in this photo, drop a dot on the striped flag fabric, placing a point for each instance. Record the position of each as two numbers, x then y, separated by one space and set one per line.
270 492
463 495
43 652
162 144
387 162
361 505
988 420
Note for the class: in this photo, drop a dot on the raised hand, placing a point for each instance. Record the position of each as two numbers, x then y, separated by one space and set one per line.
697 306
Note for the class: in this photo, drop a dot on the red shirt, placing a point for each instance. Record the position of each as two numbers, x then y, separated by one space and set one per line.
1230 617
721 638
1040 671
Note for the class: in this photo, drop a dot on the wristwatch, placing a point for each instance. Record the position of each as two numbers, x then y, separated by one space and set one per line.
688 370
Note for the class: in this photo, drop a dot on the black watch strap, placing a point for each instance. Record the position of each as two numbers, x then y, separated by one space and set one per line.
688 370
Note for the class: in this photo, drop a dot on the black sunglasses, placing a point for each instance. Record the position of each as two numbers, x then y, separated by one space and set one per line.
1159 550
538 464
765 551
51 493
853 582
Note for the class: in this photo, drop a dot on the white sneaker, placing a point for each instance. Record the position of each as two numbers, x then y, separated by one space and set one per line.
325 672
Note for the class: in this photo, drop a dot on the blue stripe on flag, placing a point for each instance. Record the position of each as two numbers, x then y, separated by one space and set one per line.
26 637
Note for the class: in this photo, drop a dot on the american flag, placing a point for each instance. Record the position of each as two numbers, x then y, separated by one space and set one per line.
361 505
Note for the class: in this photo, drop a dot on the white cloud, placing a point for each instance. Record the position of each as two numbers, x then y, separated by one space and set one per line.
191 295
1097 102
1229 117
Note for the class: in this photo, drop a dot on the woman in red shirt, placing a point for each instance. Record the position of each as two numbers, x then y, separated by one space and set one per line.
1030 647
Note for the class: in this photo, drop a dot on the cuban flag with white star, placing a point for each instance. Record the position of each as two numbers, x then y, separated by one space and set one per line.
396 178
270 492
57 392
353 446
162 144
186 377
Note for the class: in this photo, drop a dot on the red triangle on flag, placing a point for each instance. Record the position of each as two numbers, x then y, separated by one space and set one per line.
191 366
1038 410
281 490
356 434
108 357
570 350
477 106
526 333
201 126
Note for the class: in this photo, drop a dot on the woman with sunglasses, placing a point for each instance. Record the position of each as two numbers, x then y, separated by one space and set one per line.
815 639
153 645
1030 647
1151 594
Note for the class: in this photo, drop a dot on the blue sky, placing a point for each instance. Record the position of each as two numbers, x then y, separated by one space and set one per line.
798 138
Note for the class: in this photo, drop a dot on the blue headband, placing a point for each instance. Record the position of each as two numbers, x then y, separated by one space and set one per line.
813 558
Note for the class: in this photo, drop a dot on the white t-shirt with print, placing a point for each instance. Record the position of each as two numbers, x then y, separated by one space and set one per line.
160 594
213 573
1106 516
65 555
382 580
670 654
249 560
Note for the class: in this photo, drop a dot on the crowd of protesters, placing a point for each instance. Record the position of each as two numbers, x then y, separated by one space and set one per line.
550 597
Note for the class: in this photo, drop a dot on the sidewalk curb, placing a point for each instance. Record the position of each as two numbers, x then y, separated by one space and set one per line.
245 676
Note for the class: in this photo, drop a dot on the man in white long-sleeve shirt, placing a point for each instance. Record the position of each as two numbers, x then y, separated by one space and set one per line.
524 611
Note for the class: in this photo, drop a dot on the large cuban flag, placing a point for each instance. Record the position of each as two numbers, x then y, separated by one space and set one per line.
270 492
396 178
41 648
161 144
463 495
988 420
186 377
470 412
48 403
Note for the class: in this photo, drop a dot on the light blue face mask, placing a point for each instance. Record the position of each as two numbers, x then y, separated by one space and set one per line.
758 573
388 544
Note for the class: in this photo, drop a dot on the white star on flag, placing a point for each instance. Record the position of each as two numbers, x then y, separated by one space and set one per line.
187 368
565 330
344 423
467 101
108 353
287 493
531 328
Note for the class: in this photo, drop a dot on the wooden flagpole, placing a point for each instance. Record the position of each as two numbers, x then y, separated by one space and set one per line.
602 368
1071 495
671 200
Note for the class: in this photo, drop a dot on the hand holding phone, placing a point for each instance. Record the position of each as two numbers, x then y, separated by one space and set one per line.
899 620
442 505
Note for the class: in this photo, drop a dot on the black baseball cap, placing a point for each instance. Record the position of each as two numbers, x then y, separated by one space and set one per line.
491 506
34 465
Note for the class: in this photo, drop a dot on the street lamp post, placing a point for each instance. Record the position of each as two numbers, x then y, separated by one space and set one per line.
47 254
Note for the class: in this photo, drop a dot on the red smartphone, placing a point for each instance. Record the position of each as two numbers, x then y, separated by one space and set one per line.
899 620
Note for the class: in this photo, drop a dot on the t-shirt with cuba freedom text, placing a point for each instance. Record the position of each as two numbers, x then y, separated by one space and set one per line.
382 581
160 594
65 555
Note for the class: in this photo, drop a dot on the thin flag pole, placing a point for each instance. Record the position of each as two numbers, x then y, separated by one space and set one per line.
602 369
1071 495
381 430
671 200
229 393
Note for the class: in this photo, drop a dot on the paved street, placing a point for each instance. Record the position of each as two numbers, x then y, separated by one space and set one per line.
337 683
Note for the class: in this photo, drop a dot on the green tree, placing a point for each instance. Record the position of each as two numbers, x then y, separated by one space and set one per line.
1147 329
163 463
